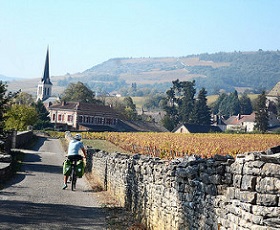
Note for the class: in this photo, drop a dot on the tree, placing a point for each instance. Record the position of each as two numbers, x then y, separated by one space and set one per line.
245 105
130 109
261 114
186 100
168 123
201 112
18 117
80 93
23 98
227 105
179 102
5 98
3 101
234 104
43 116
217 109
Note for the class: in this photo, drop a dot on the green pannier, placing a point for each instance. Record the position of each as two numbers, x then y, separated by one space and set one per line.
80 168
67 167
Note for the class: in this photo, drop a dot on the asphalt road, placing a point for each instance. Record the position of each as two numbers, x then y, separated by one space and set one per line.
34 198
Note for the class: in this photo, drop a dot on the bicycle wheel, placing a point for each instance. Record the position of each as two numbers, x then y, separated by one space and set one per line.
73 178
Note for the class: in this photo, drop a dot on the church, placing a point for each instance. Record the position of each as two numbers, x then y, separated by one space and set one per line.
44 90
74 115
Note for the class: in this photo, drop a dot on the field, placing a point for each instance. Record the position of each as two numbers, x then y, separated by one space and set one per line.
171 145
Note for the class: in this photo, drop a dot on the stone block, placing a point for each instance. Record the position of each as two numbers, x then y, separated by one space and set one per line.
189 172
248 183
211 190
252 156
237 167
268 185
249 217
266 212
246 207
275 158
205 178
215 179
271 170
227 179
230 193
272 222
273 150
248 197
237 181
267 199
252 168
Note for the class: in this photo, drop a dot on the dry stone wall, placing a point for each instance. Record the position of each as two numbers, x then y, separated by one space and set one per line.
194 193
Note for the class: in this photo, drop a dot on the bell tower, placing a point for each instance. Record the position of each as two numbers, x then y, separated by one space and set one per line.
44 90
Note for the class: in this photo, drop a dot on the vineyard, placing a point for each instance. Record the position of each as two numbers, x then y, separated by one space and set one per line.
172 145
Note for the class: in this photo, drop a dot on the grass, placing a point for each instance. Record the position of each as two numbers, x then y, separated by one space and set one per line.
103 145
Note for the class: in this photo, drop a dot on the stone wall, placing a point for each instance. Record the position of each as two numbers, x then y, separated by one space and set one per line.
14 140
194 193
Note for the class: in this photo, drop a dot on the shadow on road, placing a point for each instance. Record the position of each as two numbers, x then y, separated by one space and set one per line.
50 216
39 143
44 168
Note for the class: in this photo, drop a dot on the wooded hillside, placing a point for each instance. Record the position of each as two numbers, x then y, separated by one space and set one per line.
252 71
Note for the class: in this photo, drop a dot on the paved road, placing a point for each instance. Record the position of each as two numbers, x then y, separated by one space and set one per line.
34 198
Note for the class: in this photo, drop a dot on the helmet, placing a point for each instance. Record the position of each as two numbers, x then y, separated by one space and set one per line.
78 137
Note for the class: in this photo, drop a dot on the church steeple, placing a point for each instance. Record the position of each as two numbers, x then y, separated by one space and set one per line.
46 75
45 86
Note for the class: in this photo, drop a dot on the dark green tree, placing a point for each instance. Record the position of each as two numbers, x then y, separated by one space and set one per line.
201 112
216 109
261 113
186 100
168 123
245 105
43 116
170 108
79 92
234 104
227 105
130 109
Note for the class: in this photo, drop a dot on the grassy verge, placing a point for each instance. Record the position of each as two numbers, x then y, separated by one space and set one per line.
104 145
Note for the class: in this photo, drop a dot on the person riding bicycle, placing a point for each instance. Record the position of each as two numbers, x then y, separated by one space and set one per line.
73 153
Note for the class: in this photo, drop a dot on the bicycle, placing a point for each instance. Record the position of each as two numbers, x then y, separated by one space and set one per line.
73 173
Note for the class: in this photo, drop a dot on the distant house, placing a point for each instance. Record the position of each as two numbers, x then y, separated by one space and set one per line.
244 123
83 116
193 128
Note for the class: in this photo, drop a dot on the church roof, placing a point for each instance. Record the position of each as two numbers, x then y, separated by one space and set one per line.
46 76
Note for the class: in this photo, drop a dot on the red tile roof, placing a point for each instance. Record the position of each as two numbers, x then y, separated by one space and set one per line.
87 108
239 119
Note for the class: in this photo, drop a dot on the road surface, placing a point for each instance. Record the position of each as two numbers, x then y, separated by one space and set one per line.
34 198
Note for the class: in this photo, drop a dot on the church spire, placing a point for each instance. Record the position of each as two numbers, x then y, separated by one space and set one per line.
46 76
44 89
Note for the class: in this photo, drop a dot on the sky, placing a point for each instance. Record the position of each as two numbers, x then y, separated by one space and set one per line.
83 33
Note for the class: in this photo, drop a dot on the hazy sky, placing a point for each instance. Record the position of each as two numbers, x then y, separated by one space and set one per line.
84 33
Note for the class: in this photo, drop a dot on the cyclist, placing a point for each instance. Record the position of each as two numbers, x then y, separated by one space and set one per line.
73 153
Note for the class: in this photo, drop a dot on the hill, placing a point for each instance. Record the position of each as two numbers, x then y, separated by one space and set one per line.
252 71
275 91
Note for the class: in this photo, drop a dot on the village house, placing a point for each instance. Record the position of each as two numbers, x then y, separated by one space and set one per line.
242 123
246 123
194 128
83 117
